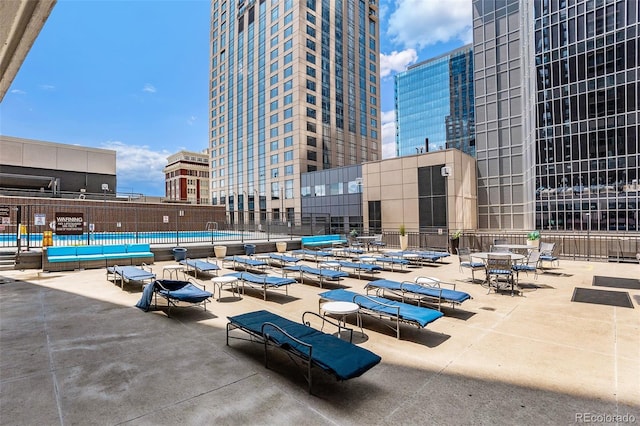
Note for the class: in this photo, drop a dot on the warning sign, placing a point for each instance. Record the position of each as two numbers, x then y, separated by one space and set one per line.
69 223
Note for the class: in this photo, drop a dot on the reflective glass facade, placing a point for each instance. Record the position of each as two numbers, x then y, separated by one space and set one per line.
434 101
587 102
294 88
557 114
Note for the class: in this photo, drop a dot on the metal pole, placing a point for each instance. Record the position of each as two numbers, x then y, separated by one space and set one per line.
588 236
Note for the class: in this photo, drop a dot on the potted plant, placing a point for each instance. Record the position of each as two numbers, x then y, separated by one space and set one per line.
404 238
533 238
353 233
455 241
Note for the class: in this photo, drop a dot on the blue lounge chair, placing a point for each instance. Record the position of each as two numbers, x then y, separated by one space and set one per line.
198 265
424 289
390 262
419 257
130 273
263 282
174 291
315 255
245 263
358 267
282 260
380 307
331 354
320 274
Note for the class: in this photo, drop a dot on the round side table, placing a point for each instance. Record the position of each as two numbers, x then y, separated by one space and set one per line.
342 310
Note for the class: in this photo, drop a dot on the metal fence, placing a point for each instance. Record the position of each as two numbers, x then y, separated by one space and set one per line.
26 221
178 224
606 246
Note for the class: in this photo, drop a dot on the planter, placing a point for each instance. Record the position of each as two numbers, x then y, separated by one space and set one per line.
179 253
220 251
533 243
455 243
281 246
404 242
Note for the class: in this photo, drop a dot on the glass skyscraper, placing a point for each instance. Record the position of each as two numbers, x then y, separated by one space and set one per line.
434 105
294 88
557 114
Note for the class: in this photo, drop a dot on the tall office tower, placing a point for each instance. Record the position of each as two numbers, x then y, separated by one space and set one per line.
434 104
294 88
557 114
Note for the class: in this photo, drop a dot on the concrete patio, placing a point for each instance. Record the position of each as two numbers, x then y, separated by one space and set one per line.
75 350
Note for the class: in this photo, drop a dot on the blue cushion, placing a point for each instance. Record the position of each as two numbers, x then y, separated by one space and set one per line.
70 258
137 248
339 357
417 314
499 271
472 264
114 248
435 292
61 251
88 250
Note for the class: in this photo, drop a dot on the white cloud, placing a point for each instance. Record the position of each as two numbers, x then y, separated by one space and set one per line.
149 88
138 167
397 61
47 87
191 120
388 134
419 23
18 92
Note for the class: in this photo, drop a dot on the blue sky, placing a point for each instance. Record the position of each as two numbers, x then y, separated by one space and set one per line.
133 76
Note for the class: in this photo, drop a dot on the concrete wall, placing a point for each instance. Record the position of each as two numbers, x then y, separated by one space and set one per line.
395 183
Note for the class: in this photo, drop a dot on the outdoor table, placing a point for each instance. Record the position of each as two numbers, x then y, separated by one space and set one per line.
171 269
226 280
515 257
366 239
342 310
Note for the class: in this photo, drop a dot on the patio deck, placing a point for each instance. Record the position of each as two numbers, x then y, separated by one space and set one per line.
75 350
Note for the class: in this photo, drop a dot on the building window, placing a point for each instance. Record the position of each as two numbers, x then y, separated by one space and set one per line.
311 113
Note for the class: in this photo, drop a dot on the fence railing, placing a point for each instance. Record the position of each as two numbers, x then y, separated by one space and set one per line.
175 224
25 221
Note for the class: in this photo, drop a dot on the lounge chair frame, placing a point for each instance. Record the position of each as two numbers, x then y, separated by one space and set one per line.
316 274
376 311
130 273
303 355
161 289
208 266
245 263
261 282
433 293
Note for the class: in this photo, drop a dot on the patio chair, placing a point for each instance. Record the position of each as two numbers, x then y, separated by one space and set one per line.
547 255
422 290
262 282
385 309
377 243
130 273
354 243
209 266
499 269
464 256
174 292
529 265
310 346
